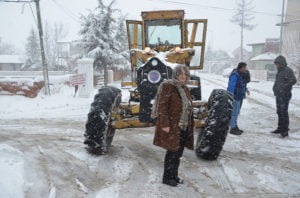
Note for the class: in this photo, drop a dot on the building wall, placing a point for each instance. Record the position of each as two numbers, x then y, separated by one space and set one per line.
257 50
264 65
10 66
291 36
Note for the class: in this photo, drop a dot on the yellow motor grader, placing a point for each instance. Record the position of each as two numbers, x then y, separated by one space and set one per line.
162 40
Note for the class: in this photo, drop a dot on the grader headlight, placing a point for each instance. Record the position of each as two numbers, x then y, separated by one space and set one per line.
147 50
178 49
154 76
154 62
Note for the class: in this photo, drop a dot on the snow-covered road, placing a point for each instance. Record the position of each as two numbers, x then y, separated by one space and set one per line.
42 155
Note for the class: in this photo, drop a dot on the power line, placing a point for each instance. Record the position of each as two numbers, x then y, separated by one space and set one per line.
70 11
21 1
219 8
67 11
40 28
34 18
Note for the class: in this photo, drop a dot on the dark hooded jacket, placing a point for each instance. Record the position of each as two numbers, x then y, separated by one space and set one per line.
285 78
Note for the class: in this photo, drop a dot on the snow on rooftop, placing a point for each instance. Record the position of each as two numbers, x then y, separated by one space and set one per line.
264 57
11 59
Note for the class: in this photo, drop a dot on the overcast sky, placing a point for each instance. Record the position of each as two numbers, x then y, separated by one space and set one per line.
16 18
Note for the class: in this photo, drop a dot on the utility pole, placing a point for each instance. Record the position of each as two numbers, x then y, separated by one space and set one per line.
44 63
39 20
242 34
281 27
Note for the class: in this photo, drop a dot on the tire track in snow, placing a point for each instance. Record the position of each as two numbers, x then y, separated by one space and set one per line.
61 170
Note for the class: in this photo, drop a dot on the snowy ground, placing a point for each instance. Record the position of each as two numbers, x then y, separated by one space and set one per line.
42 155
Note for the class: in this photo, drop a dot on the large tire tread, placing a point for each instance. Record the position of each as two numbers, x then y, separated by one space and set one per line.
98 132
211 140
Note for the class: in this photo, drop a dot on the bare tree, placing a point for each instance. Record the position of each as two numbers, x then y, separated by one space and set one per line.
53 33
243 18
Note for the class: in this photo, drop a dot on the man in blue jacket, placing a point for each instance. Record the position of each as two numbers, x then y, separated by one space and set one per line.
237 87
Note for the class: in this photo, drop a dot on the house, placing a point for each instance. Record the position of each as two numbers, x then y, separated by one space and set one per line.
262 61
11 62
291 35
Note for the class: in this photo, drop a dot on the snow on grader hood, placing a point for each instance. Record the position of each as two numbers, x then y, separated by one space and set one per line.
162 40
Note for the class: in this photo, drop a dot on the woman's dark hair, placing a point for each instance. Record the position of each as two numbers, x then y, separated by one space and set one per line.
241 65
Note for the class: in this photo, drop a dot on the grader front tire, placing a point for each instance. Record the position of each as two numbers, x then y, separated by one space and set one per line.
99 133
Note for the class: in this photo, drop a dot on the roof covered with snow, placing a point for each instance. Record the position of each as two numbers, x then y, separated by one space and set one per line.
264 57
11 59
251 44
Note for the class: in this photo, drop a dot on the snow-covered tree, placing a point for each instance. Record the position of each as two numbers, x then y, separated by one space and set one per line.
32 52
104 35
122 59
243 18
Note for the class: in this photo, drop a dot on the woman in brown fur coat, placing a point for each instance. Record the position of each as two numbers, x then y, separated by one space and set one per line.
174 127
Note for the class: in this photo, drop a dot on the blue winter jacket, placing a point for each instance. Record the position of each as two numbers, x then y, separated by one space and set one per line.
237 85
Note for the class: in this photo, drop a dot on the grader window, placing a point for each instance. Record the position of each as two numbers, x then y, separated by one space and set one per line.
163 32
139 35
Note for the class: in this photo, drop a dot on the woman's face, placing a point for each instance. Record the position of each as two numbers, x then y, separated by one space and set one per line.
182 76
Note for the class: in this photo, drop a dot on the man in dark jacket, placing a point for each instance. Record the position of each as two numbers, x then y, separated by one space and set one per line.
285 79
237 87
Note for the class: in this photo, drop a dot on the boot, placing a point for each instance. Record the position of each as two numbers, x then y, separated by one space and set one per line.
169 169
284 134
170 182
177 179
240 129
235 131
277 131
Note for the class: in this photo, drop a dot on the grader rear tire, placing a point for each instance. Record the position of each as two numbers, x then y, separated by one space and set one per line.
211 139
99 133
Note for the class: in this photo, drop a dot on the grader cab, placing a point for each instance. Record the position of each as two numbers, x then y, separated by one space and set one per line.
162 40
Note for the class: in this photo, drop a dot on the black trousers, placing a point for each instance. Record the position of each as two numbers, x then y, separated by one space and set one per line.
172 159
282 106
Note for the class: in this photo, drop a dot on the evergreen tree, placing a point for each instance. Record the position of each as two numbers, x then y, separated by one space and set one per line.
32 50
104 35
122 59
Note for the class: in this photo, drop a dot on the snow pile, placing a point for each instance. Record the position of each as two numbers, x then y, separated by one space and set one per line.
61 103
11 171
20 81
